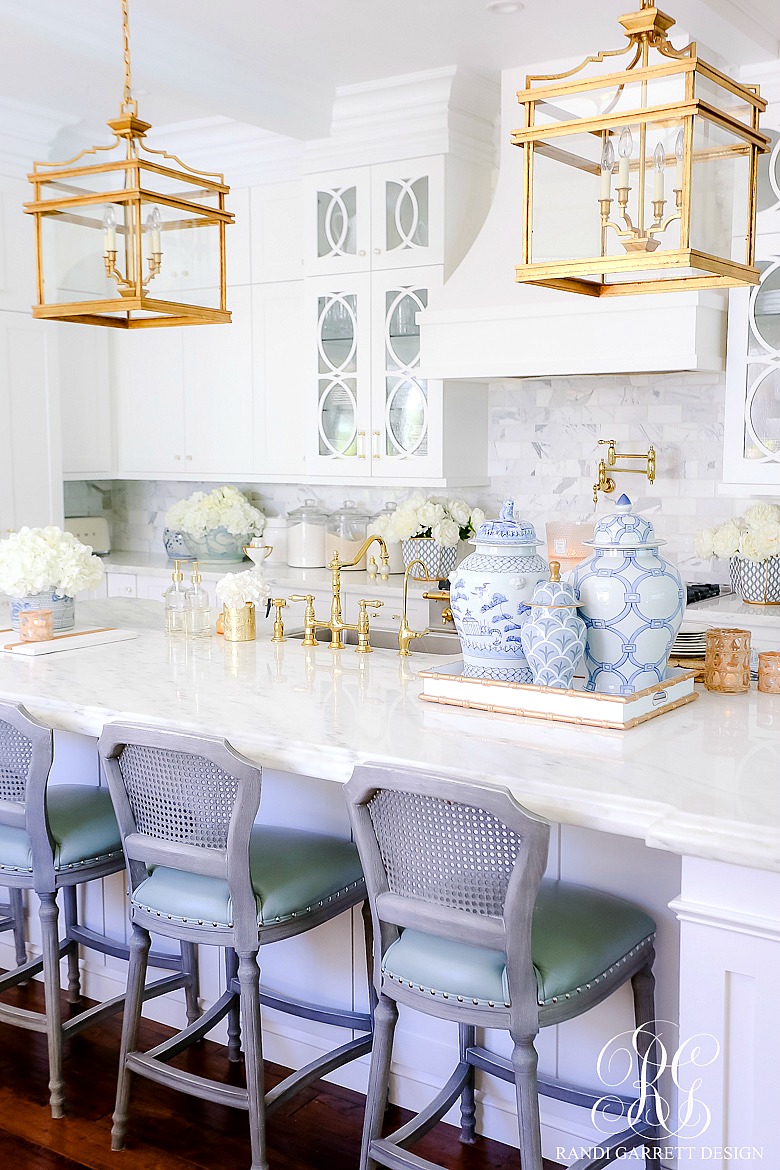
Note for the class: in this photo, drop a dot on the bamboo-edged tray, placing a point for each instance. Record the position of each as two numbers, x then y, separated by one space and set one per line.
447 685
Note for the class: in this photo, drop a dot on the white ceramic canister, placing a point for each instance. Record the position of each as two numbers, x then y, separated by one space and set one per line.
275 536
553 637
633 603
306 536
489 595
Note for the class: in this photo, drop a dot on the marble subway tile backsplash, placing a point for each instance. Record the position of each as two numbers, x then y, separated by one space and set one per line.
544 451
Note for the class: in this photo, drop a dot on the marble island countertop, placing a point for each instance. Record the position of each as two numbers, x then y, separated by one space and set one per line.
701 781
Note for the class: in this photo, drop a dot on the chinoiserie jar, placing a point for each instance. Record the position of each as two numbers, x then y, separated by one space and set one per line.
489 595
63 608
553 636
633 603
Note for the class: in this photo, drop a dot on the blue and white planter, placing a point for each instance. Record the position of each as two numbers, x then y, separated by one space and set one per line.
63 608
633 603
553 637
217 545
489 595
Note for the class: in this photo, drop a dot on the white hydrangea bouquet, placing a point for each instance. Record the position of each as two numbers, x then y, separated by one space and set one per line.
751 543
42 568
216 526
236 589
225 507
429 530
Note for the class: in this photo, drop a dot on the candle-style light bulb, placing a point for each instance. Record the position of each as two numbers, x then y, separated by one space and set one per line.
607 167
659 163
153 222
109 229
625 150
679 152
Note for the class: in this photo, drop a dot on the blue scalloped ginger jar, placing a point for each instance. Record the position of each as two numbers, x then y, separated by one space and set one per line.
633 601
553 636
489 595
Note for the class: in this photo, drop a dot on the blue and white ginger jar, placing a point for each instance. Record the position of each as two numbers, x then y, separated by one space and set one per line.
489 595
633 603
553 637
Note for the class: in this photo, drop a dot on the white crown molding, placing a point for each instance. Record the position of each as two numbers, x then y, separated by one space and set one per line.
437 111
245 154
26 135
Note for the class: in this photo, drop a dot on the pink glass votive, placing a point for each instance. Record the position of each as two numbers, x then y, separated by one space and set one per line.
35 625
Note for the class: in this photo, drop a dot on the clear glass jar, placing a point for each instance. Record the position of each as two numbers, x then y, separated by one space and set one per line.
347 530
306 536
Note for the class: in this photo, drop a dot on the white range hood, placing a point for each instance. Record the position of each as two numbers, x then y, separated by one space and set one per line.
483 325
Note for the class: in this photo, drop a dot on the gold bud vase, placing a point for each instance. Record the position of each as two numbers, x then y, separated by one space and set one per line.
239 622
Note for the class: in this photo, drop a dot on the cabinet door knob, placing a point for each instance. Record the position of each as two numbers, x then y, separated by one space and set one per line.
361 251
377 251
189 457
177 456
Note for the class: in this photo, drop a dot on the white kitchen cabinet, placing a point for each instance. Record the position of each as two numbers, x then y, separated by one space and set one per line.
86 402
376 416
751 453
184 398
30 459
372 218
277 218
280 401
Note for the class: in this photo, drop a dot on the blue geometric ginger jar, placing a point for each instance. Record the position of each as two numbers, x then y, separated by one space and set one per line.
489 595
633 603
553 637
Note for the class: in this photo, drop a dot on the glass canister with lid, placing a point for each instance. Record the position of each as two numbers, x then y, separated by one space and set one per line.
306 536
346 533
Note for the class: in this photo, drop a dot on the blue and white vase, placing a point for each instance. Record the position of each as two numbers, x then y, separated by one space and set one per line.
63 608
217 545
633 603
553 637
489 595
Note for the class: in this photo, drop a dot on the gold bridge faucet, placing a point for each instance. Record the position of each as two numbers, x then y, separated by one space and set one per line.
336 623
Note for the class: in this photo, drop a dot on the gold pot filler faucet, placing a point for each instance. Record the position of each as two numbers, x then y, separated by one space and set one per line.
605 483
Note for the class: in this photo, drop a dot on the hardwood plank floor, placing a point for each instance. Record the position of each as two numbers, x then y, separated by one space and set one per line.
318 1130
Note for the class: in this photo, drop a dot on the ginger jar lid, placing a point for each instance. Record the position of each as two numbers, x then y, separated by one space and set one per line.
624 528
506 530
554 594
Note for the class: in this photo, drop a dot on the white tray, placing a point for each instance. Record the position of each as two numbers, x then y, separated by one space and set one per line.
447 685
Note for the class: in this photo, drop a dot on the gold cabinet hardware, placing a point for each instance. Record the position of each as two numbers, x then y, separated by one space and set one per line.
605 483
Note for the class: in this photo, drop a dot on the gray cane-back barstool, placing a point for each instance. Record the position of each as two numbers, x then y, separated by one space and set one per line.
202 871
467 931
56 837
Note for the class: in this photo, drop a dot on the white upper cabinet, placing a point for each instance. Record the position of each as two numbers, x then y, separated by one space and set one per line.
149 399
752 431
86 393
277 218
372 218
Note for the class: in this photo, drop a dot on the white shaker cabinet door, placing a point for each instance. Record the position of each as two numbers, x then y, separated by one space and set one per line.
217 366
149 382
282 405
86 400
277 216
30 460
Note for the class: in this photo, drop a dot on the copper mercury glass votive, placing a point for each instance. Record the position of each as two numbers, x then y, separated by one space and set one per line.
36 625
769 672
727 661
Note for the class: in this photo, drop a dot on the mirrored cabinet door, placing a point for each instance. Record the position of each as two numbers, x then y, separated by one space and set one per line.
342 376
752 433
339 215
403 441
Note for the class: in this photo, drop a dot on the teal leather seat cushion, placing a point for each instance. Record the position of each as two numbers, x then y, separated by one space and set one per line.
292 873
82 824
577 935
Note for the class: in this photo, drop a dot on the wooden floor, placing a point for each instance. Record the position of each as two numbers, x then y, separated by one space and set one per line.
318 1130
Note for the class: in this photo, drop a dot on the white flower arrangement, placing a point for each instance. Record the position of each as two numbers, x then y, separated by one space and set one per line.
36 560
225 507
236 589
419 515
754 536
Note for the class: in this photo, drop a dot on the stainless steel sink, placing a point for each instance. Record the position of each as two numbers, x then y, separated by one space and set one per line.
444 644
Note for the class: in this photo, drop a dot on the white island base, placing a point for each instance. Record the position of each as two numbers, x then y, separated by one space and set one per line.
681 814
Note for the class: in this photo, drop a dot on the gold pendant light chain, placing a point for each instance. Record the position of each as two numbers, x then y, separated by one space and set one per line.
128 105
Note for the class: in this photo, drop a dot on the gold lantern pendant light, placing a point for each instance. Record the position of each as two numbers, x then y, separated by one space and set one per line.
641 179
127 236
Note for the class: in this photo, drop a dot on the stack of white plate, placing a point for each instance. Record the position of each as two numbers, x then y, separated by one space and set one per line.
768 302
689 644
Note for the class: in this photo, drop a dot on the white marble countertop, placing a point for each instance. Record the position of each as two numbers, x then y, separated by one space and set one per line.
702 781
283 577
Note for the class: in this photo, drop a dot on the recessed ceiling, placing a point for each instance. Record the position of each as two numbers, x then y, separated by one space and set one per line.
277 65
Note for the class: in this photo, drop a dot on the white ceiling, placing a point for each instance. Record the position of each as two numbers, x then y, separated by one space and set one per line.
276 65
